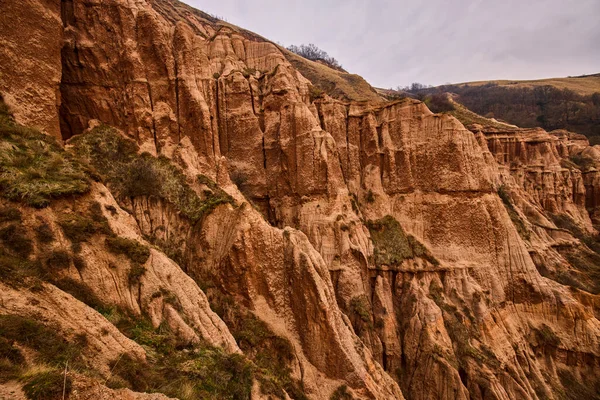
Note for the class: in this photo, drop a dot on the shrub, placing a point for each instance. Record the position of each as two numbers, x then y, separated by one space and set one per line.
79 228
391 244
341 393
10 214
546 336
48 385
34 168
44 233
51 348
135 274
11 360
131 175
14 238
361 307
59 259
200 372
312 52
135 251
370 197
512 213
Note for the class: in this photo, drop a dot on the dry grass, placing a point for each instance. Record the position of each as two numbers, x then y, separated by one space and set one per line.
336 84
468 117
585 85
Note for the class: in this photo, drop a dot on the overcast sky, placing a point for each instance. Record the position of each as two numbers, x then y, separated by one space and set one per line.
392 43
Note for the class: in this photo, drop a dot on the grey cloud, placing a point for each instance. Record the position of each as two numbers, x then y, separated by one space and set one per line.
393 43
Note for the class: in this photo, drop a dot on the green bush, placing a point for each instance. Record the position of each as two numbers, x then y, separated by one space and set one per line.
51 348
44 233
135 274
391 244
179 370
10 214
546 336
15 239
47 385
79 228
59 259
360 307
134 250
341 393
34 169
131 175
11 360
512 213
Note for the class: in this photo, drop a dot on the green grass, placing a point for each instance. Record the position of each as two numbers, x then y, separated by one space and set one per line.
341 393
59 259
392 245
10 214
512 213
51 348
14 238
47 385
81 226
132 175
360 308
34 169
546 336
270 353
178 369
134 250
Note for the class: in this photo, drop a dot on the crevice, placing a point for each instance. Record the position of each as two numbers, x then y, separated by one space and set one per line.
177 96
153 119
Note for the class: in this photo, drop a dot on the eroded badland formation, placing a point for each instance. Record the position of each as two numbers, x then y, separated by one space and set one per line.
198 219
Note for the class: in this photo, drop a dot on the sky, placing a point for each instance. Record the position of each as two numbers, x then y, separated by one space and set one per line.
394 43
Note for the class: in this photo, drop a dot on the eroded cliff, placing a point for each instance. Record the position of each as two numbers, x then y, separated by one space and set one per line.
233 223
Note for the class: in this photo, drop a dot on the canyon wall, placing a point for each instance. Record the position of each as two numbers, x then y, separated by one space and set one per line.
400 253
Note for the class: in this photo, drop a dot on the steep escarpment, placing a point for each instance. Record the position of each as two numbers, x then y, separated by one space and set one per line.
231 231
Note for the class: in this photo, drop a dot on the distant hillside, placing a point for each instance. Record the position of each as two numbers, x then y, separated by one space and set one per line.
583 85
559 103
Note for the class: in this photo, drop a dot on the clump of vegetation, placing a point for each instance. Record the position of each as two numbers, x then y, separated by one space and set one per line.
393 246
51 348
546 336
132 175
134 250
313 53
79 227
10 214
11 360
134 276
47 385
59 259
178 369
341 393
512 213
34 169
44 233
271 354
586 263
361 308
15 239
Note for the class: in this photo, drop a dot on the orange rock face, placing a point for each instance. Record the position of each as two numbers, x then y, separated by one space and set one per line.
400 253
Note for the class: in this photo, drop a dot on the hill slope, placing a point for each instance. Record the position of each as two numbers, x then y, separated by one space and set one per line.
561 103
